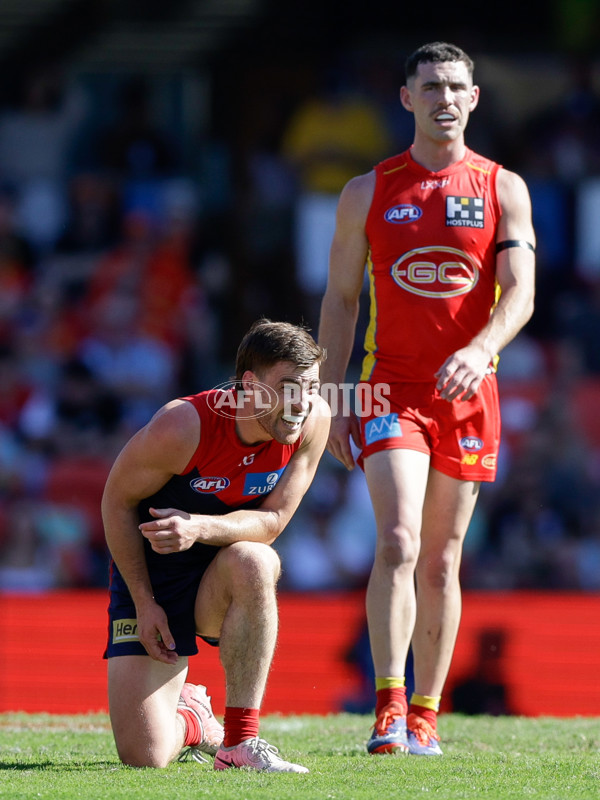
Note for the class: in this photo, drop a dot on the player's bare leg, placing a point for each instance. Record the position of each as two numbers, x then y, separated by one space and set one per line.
397 481
237 603
143 695
448 509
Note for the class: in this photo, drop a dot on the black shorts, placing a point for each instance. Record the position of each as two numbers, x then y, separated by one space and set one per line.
175 579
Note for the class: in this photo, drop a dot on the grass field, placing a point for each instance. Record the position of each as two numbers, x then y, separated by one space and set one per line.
63 758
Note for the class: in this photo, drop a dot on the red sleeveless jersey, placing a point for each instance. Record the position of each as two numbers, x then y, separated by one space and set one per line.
431 264
224 473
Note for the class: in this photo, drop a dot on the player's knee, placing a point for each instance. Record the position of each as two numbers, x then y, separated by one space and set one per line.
253 562
440 571
148 761
136 755
397 546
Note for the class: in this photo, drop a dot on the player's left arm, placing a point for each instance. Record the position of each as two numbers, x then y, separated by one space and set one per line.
178 530
462 373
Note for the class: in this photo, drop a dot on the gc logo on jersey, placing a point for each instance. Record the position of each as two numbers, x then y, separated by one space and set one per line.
489 461
464 212
209 485
402 213
435 272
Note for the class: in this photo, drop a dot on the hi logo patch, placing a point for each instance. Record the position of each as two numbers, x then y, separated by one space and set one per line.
464 212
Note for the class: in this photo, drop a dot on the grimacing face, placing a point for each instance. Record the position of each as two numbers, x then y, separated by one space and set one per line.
295 390
441 96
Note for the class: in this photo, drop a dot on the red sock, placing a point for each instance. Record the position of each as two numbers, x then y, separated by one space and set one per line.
240 724
193 727
385 696
427 713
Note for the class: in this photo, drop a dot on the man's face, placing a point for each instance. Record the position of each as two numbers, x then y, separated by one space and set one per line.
441 97
295 390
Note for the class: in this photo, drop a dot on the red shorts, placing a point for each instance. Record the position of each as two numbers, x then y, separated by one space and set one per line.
462 437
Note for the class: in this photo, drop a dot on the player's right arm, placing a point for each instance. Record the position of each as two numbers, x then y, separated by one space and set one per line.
339 310
152 456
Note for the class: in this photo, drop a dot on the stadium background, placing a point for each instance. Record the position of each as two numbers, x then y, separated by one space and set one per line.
150 190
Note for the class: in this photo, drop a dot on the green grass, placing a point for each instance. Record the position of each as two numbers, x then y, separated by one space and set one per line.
62 758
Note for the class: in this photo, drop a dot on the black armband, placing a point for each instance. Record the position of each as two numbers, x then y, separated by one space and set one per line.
514 243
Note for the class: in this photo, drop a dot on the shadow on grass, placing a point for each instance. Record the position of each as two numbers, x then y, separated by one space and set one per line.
64 766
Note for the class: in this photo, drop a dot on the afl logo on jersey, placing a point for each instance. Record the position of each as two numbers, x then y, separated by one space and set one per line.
471 443
402 213
436 272
209 485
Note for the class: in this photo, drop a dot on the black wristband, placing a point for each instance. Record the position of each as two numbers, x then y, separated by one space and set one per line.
514 243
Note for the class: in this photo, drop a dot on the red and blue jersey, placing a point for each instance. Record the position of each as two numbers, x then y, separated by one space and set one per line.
224 473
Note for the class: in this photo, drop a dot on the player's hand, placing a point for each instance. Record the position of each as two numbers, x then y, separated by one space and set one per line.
170 532
342 428
154 633
462 373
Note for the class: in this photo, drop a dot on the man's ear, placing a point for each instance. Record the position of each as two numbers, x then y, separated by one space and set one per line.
248 379
474 98
405 98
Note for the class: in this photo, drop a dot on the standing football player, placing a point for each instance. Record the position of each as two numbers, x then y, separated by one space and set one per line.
447 239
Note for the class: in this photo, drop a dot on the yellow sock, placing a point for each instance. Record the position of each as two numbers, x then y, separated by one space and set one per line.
388 683
424 700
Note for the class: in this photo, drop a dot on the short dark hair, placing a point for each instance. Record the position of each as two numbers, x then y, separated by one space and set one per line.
437 53
267 343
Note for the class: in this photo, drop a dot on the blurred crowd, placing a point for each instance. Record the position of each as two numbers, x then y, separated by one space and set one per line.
130 266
